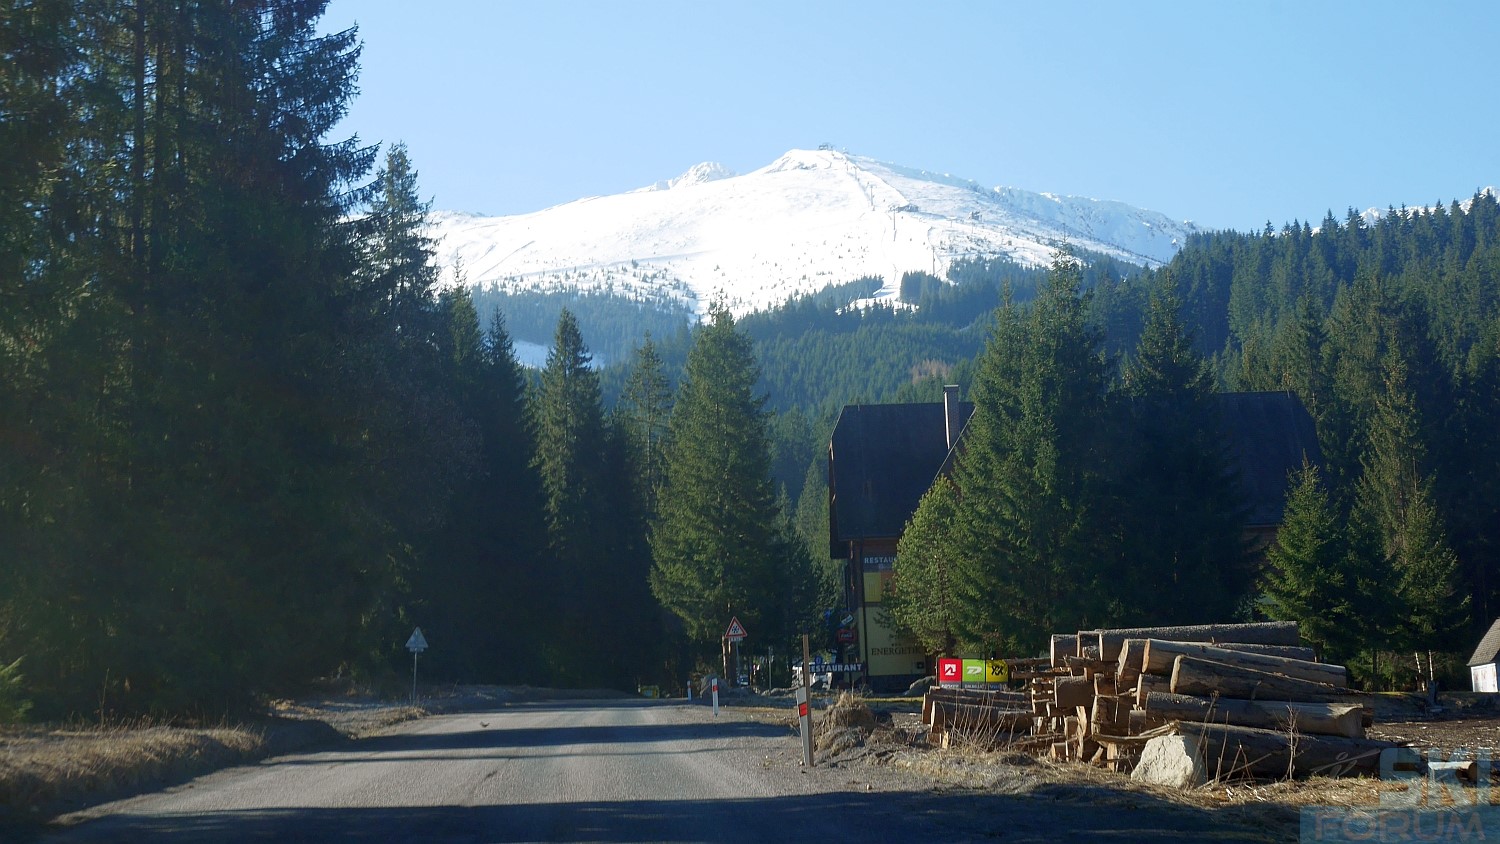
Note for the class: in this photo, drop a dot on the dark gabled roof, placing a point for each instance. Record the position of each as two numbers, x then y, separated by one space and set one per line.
1270 435
881 460
1489 647
883 457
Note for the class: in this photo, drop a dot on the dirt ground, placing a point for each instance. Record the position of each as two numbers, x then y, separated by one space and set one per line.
47 770
1463 726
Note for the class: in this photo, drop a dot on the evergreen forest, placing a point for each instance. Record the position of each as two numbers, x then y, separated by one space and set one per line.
247 442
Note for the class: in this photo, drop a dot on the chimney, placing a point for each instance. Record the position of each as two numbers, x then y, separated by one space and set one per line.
950 412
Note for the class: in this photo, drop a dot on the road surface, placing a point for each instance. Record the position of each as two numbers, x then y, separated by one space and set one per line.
598 771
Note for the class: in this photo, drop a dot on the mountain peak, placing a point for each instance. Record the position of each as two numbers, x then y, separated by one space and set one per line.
698 174
809 219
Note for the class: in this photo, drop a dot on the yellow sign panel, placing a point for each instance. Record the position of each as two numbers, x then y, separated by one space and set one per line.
997 671
877 572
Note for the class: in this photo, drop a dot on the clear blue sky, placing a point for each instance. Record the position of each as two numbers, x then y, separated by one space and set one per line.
1226 112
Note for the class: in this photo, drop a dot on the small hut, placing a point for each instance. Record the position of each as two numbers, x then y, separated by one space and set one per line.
1482 663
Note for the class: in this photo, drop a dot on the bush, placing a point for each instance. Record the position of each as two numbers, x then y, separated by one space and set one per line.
13 704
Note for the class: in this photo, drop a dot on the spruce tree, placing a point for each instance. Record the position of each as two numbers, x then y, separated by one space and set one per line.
511 525
1184 559
1029 550
1394 498
1309 576
224 460
919 598
398 262
571 462
644 408
721 549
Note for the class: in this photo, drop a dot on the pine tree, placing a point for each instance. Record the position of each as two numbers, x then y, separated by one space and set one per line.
1184 557
644 408
920 597
1028 550
721 548
398 262
570 460
1309 577
1394 498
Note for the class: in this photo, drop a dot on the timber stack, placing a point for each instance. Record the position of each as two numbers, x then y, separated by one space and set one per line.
983 718
1248 699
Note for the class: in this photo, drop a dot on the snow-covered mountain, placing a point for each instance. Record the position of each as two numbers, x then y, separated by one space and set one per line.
807 220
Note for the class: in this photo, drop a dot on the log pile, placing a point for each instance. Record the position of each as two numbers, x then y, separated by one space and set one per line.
985 719
1249 700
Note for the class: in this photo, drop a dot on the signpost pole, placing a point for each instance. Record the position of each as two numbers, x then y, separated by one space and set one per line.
416 644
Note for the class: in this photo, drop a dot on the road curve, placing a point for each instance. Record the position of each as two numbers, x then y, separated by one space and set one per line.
624 770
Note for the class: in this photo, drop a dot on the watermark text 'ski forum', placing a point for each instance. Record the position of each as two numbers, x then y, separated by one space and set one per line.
1439 799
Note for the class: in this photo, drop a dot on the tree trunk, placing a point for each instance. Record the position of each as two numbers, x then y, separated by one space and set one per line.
1132 656
969 717
1196 676
1160 655
1063 645
1073 691
1332 719
970 697
1109 642
1230 751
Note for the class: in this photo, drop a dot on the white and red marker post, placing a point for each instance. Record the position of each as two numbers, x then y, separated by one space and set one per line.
804 711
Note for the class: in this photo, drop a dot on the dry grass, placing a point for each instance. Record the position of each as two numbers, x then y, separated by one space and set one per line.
41 769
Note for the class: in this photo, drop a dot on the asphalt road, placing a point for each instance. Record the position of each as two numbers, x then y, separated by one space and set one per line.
591 771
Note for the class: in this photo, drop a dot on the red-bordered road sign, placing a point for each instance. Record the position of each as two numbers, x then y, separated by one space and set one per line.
736 630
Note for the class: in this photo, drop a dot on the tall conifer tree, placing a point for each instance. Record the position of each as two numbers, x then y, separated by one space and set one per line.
1394 499
1310 577
645 407
920 597
720 546
570 459
1183 553
1030 492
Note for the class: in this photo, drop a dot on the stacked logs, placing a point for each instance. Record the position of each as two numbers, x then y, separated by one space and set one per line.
984 718
968 716
1249 698
1253 700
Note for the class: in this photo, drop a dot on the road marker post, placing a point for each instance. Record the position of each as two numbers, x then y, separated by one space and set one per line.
714 684
804 711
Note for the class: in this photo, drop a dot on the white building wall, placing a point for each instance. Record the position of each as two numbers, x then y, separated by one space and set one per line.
1483 678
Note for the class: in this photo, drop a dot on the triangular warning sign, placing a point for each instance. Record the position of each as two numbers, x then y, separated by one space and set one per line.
736 630
417 643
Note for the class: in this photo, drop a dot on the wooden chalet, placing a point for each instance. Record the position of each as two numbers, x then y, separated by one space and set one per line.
882 458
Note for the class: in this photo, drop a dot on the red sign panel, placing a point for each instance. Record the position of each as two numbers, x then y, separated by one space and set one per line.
950 671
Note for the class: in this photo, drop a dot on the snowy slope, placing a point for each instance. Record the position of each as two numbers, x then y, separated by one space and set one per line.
807 220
